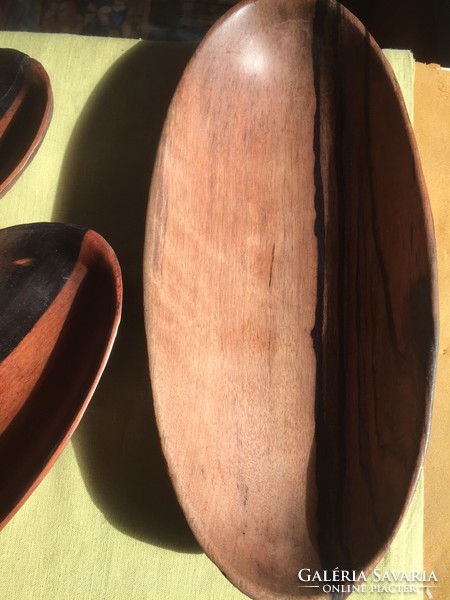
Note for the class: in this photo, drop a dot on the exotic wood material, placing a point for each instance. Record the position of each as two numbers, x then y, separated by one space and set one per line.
25 112
290 297
60 304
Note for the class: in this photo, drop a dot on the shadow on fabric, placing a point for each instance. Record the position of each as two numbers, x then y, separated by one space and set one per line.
104 185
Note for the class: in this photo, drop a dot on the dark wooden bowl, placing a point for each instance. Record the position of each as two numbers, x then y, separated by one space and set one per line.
60 304
25 112
290 294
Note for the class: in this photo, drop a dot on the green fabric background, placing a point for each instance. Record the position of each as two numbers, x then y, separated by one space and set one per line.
104 524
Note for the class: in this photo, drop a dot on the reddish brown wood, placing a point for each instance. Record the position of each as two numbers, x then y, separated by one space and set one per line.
290 294
25 112
60 308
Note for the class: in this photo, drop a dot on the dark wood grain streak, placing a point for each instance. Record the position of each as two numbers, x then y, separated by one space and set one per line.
69 280
342 293
323 501
290 296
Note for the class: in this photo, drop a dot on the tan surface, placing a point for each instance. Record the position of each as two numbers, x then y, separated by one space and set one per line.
432 126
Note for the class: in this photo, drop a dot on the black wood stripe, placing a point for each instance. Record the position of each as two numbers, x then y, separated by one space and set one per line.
35 263
317 331
343 211
331 412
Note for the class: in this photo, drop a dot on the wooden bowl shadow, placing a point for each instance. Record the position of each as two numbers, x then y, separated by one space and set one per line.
104 185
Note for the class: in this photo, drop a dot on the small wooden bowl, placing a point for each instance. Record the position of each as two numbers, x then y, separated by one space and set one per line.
60 306
290 293
25 112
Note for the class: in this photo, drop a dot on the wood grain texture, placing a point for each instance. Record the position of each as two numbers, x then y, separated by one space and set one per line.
290 296
59 311
25 112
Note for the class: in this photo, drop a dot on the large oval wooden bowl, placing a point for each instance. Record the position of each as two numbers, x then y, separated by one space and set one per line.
60 304
25 112
290 296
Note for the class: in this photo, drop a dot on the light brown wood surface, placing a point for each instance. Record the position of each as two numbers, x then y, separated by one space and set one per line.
290 296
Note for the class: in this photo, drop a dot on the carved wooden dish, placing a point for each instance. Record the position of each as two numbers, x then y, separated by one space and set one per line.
25 112
290 296
60 305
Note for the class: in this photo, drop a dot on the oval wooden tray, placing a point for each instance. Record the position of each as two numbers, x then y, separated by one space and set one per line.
290 295
60 308
26 105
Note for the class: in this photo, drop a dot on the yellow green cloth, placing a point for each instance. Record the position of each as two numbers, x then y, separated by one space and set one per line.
103 525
